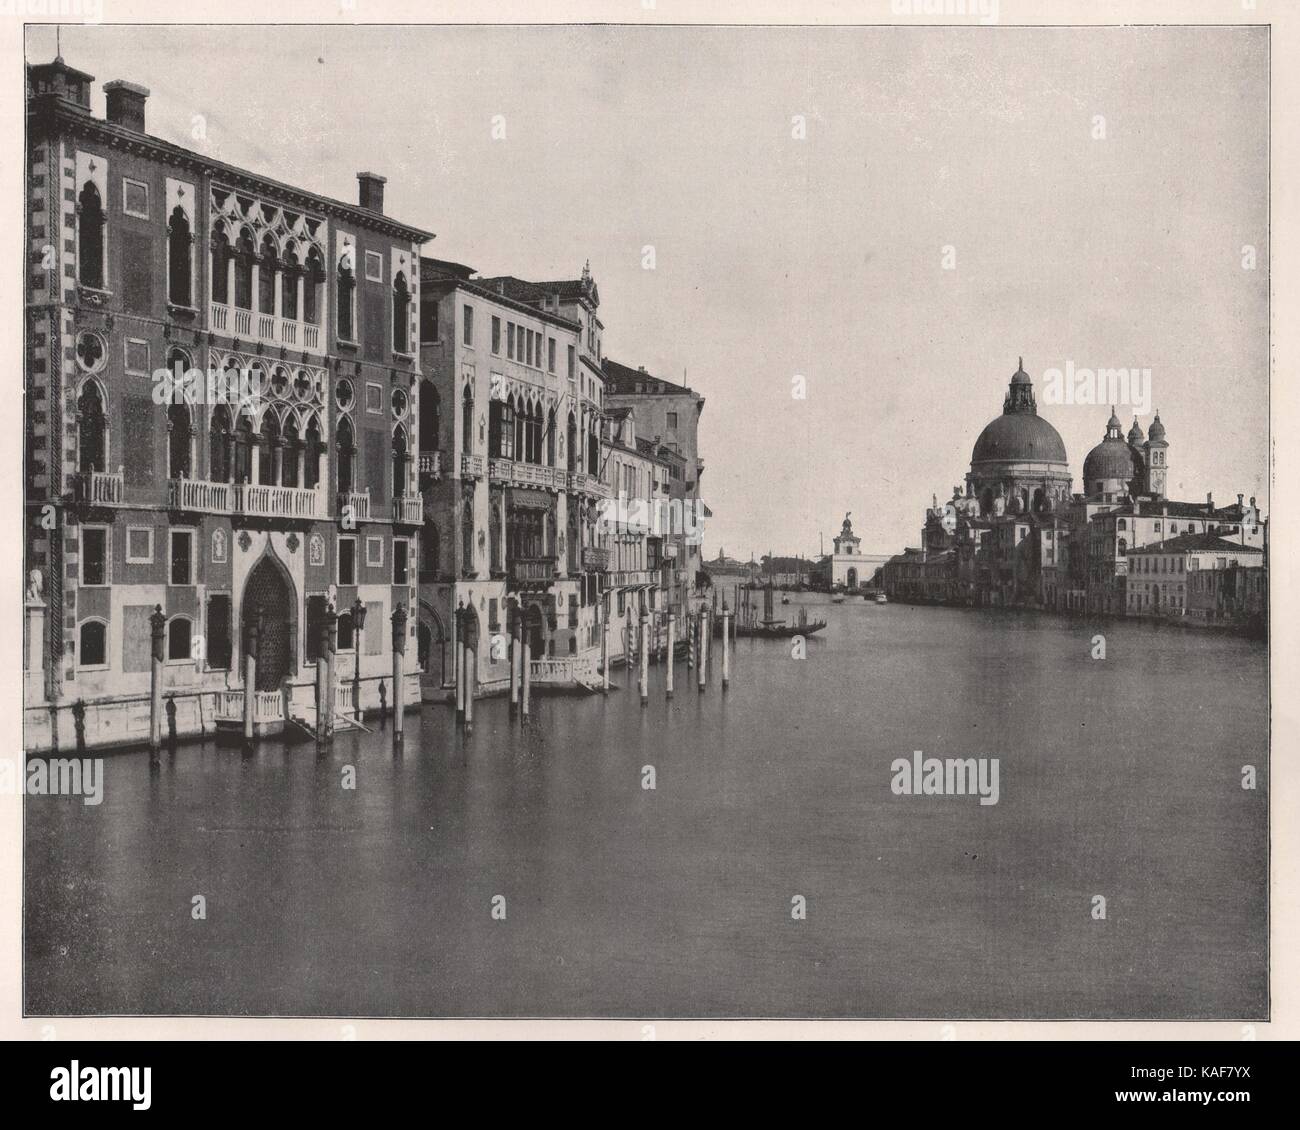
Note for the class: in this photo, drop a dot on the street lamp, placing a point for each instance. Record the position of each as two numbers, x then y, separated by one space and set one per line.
358 623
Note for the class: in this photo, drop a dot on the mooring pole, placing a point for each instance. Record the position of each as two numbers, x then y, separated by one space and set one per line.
157 625
604 648
726 647
672 626
471 681
399 678
701 658
460 658
331 666
645 657
514 664
527 677
250 672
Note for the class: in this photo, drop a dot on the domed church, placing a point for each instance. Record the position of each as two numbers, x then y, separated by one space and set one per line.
1118 469
1019 464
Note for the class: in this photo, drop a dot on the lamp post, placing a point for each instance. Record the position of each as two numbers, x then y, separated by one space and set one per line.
358 623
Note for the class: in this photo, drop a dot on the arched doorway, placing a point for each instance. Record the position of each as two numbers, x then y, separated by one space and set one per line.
851 579
535 626
269 600
431 644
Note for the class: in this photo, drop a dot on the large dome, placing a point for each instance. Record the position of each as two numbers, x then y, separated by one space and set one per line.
1019 437
1110 459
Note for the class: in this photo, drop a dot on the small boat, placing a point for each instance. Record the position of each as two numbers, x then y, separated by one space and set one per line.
785 600
881 598
838 598
748 623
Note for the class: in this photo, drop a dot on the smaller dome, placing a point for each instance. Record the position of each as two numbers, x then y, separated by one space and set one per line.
1113 422
1157 430
1110 459
1135 435
1020 377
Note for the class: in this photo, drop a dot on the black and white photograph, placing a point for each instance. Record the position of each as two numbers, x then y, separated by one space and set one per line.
642 520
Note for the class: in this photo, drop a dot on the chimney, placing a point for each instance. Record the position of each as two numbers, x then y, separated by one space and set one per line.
125 104
1239 498
371 194
1209 503
1137 506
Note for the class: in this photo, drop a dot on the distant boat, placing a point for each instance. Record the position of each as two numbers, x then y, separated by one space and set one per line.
881 598
785 600
747 623
838 598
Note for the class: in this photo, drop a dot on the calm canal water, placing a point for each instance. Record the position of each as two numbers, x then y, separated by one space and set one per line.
1119 777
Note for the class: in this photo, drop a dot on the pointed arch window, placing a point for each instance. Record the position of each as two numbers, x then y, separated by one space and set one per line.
401 315
347 296
220 440
401 460
269 451
347 450
289 286
90 237
267 265
430 412
467 421
290 454
312 449
245 445
245 254
180 443
311 281
550 439
92 430
570 448
220 256
180 272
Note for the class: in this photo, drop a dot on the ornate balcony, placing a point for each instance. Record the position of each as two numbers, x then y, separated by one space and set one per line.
199 495
531 570
430 464
98 488
251 325
471 466
588 484
515 474
261 501
628 578
408 509
355 504
595 558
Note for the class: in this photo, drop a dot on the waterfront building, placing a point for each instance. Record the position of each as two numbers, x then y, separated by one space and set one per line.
1017 535
1160 575
669 414
847 567
726 572
288 501
511 470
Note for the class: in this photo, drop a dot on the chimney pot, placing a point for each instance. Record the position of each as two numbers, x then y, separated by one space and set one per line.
124 104
370 191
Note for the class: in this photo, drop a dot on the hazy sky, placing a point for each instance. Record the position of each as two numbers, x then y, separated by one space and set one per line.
822 257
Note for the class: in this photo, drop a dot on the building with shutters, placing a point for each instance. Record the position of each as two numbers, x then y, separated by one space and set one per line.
222 419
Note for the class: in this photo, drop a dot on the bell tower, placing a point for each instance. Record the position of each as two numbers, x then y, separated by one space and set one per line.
1157 459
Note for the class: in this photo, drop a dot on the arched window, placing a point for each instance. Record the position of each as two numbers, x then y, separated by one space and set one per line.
347 450
92 430
266 268
219 445
467 532
179 442
269 451
245 253
90 237
345 642
571 452
550 439
290 454
1123 547
289 286
220 255
430 411
179 266
311 454
347 289
401 315
178 638
521 430
400 462
593 454
92 644
245 443
1123 525
467 421
311 280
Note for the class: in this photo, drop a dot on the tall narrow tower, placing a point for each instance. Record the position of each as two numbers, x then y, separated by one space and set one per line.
1157 453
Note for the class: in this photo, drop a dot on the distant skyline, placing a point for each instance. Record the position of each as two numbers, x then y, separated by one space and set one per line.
825 257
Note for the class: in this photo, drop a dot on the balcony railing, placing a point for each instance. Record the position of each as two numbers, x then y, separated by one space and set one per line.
626 577
588 484
268 706
408 509
531 570
430 463
199 495
100 488
595 558
562 671
252 325
471 466
512 473
355 504
260 501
